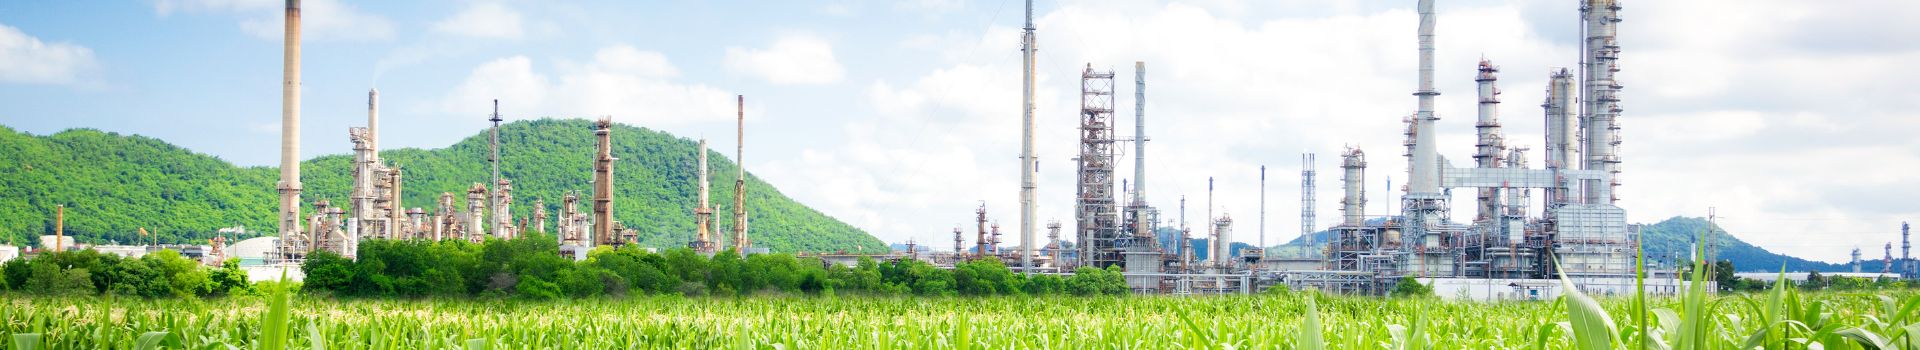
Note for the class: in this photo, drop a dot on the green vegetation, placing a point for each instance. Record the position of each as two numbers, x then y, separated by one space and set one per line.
1672 239
800 304
1410 287
159 274
114 185
1834 320
527 268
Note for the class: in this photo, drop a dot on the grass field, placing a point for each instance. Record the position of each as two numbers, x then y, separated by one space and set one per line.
1837 321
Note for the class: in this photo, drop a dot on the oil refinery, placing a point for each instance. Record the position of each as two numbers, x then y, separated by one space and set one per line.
1509 248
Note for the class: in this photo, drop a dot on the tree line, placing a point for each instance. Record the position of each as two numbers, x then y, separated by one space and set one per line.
89 272
529 268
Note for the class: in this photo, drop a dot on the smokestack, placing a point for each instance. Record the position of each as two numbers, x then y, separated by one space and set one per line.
603 184
1426 166
1600 102
1353 181
703 215
1490 145
740 242
373 122
290 234
59 227
1140 134
1028 163
1561 128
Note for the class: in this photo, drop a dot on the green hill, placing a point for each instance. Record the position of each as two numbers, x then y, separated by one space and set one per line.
1672 240
115 184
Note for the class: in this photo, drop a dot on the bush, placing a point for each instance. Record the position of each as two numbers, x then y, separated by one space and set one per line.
1408 287
533 288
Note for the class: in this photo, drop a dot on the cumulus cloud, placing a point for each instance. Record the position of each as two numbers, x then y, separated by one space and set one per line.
29 60
792 60
1788 137
483 20
626 83
265 19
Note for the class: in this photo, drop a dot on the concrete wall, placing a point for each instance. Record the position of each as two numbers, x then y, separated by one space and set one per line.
1544 289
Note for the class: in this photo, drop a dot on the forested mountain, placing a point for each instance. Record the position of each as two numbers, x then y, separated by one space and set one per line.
115 184
1672 239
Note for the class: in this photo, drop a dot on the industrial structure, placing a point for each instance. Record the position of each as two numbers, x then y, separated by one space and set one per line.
1578 233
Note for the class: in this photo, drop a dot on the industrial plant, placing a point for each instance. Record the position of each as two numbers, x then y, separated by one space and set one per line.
375 210
1507 249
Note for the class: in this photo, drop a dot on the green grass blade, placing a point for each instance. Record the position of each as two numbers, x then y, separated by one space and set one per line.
1310 328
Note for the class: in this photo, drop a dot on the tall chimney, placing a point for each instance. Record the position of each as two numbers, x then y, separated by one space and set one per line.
1426 166
292 240
703 215
1140 135
603 185
1028 163
740 242
373 122
59 227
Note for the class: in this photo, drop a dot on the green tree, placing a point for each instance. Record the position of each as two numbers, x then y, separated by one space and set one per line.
1408 287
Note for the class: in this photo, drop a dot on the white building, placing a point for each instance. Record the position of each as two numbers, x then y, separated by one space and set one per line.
8 252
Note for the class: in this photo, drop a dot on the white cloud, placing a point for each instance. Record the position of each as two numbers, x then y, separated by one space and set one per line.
792 60
266 19
29 60
483 20
631 85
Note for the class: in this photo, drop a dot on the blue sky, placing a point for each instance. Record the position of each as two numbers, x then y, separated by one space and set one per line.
1794 119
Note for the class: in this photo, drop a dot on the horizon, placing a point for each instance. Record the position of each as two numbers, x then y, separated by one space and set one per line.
1790 122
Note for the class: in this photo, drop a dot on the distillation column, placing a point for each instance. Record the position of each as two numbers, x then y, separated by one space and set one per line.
1491 142
603 184
1561 128
1600 99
